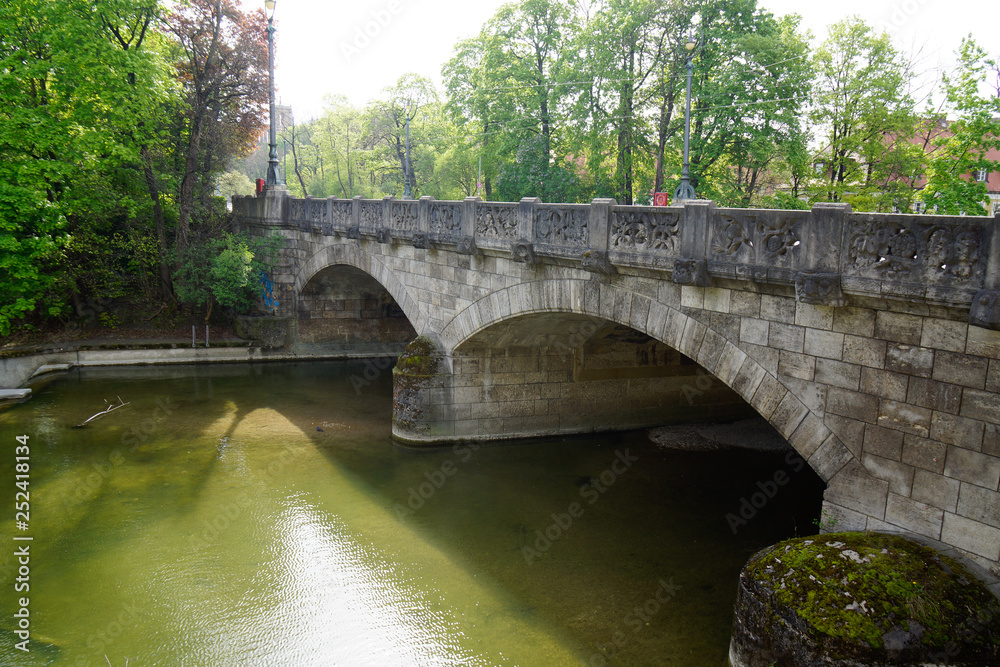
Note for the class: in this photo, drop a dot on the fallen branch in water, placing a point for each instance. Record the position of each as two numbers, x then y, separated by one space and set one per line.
110 408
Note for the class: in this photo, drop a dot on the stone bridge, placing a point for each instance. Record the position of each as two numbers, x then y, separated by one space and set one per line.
869 341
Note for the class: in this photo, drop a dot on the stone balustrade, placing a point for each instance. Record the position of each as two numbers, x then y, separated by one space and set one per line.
828 253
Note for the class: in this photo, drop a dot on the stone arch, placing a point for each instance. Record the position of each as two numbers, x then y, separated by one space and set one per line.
778 404
352 255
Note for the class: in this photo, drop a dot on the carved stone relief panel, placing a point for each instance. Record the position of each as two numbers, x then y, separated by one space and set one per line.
404 215
446 218
523 252
341 213
819 288
762 237
371 215
496 221
316 209
985 311
645 230
895 248
563 226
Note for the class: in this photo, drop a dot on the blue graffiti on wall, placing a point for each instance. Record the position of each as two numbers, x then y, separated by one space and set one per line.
267 291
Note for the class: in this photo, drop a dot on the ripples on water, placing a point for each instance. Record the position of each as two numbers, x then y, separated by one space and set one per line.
261 515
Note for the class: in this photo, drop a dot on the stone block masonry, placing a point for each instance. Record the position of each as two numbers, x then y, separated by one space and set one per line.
871 342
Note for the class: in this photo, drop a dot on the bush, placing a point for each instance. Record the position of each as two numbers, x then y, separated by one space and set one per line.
225 271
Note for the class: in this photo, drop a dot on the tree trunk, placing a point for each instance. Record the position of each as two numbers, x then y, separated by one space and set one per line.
161 227
186 200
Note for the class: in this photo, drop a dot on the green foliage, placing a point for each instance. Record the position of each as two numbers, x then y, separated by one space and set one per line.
952 185
865 116
65 83
224 270
235 183
531 175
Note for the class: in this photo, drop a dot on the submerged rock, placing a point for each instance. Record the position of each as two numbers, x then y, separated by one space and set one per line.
862 600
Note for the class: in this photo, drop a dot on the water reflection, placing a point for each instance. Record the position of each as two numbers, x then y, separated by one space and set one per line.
261 515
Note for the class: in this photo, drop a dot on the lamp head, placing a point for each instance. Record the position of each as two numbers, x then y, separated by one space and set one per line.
269 5
692 40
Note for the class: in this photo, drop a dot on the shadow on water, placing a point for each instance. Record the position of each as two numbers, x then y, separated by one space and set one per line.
630 549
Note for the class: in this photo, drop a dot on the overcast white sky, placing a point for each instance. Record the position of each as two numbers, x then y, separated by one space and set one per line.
323 48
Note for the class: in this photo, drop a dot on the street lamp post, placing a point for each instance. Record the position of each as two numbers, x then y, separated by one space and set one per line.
685 190
272 153
406 186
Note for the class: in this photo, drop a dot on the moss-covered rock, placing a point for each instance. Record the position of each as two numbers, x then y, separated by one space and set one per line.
862 599
417 371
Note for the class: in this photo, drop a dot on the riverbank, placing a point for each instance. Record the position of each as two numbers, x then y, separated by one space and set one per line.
26 357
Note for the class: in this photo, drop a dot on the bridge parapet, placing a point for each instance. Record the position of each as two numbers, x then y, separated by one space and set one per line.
828 253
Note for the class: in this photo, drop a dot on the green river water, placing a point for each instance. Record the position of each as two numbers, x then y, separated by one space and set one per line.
261 514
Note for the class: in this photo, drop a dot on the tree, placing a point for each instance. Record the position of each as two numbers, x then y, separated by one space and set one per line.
131 27
387 122
338 138
859 101
224 73
509 81
64 83
626 43
953 186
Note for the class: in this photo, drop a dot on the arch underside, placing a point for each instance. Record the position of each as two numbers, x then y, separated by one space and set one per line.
372 266
342 306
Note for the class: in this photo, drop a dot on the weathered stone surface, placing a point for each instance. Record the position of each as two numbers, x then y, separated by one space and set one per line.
983 343
884 442
974 467
979 504
850 432
814 316
855 321
848 599
899 475
796 365
855 488
852 404
910 360
914 516
269 332
838 374
972 536
777 309
826 344
982 405
935 490
959 431
884 384
864 351
960 369
934 395
898 327
944 335
924 453
830 458
753 331
904 417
